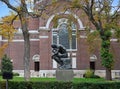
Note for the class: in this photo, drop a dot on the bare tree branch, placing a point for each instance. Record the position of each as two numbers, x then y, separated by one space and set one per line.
14 19
9 5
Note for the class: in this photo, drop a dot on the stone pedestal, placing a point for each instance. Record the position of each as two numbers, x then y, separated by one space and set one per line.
64 75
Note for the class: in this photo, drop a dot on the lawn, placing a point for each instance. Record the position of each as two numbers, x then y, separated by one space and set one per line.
75 80
54 79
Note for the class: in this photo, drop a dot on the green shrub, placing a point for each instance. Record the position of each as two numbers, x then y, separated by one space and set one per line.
15 74
95 76
6 67
90 74
39 85
99 85
60 85
0 73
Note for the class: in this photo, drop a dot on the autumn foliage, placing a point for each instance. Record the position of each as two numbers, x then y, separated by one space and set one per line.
7 32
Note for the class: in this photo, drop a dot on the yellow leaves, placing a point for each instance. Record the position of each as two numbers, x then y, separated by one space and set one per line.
94 41
53 1
76 3
2 49
55 21
9 18
71 18
18 9
87 1
96 17
7 31
69 31
6 28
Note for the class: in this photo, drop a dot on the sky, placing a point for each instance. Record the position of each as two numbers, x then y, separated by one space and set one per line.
4 10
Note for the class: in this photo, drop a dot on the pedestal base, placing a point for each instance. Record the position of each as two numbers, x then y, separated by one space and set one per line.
64 75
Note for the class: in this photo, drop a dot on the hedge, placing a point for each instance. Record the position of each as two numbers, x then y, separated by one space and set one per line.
60 85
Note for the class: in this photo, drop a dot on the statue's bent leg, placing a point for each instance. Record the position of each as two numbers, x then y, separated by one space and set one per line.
57 59
66 63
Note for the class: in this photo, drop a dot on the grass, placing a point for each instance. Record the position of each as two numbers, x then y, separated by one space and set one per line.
54 79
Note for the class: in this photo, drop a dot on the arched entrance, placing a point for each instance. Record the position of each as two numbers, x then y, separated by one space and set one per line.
93 58
36 60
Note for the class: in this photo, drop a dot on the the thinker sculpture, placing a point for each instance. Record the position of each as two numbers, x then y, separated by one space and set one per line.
60 55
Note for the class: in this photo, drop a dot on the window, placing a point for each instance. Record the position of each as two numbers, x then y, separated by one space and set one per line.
74 64
54 37
54 64
62 35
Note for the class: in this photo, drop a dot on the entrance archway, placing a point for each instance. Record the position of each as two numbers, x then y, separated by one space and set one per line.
36 59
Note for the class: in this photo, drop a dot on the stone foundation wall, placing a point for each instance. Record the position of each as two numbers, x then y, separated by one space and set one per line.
77 73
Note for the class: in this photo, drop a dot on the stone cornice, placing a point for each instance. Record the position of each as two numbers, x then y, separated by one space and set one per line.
43 29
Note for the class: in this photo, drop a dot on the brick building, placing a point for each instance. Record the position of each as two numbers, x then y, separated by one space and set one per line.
44 32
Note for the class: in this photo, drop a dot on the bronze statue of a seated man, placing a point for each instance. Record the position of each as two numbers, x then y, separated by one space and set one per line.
60 55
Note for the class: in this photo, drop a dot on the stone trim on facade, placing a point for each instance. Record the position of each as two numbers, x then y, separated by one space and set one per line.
77 73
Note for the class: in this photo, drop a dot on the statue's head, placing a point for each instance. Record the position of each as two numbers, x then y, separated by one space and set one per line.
54 46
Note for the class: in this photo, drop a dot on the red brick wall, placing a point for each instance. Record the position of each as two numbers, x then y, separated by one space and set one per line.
16 52
82 54
43 45
45 51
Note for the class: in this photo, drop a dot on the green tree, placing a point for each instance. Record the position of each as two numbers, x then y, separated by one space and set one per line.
7 67
104 16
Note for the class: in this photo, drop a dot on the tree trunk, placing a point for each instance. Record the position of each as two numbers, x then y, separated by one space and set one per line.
23 17
26 46
108 74
26 57
26 53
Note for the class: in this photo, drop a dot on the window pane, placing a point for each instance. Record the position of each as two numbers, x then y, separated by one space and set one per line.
55 39
63 36
74 64
73 41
